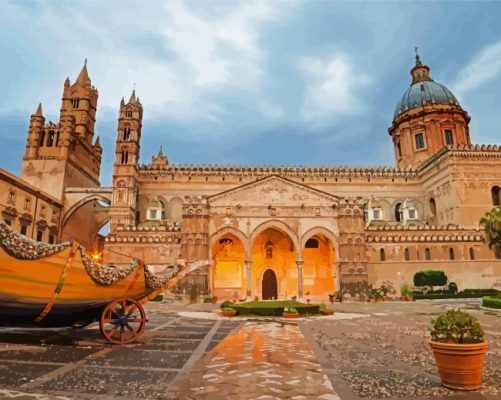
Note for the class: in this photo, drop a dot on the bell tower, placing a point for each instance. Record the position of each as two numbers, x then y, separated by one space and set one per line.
123 207
60 155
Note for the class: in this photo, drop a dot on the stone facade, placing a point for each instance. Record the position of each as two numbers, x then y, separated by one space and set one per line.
283 231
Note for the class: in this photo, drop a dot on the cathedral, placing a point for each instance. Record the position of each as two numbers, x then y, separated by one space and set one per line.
268 231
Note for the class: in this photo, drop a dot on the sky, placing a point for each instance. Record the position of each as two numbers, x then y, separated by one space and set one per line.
243 82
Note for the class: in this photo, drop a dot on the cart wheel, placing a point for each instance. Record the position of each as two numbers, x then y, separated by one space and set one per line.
123 321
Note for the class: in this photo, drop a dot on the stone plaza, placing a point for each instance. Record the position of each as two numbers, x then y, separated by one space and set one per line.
364 351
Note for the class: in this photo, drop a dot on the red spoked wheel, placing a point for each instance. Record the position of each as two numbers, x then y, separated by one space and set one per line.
123 321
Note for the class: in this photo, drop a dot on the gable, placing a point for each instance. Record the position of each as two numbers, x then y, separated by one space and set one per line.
273 191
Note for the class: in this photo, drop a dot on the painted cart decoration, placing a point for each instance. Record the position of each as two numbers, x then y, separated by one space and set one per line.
47 285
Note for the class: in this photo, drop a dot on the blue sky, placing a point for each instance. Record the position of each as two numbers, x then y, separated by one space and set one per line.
282 82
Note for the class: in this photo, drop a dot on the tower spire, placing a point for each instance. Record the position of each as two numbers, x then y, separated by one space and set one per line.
420 72
39 109
133 99
83 78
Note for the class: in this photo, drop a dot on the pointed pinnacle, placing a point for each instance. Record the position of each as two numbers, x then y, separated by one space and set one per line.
39 109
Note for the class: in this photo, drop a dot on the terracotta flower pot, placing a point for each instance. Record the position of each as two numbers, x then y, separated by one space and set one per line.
290 315
327 312
229 313
461 366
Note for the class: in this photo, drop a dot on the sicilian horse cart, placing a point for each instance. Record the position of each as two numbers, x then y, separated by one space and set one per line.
43 285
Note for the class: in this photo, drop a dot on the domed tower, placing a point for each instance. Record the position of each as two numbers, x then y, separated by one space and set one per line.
427 118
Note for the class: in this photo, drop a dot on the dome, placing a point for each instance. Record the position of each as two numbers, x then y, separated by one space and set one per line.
155 203
424 93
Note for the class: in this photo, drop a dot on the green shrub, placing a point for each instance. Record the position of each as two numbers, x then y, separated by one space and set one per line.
456 326
274 308
492 302
446 295
430 278
227 309
290 310
322 306
225 304
486 292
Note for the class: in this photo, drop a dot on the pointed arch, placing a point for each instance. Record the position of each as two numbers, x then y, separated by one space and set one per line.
279 226
233 231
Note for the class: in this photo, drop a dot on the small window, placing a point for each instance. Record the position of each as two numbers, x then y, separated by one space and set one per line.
412 213
50 139
138 217
42 139
39 235
382 256
128 114
433 207
11 198
376 213
419 141
449 140
23 229
406 255
42 211
472 253
427 254
27 203
495 196
311 244
124 157
398 212
75 102
153 214
399 150
8 222
51 238
451 254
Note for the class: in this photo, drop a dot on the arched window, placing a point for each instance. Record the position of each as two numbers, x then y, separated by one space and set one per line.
427 254
433 208
50 139
75 102
495 196
124 137
311 244
128 114
125 157
399 150
472 253
406 255
57 138
398 212
451 254
42 139
382 256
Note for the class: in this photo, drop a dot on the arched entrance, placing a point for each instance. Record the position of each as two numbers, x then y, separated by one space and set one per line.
269 286
274 270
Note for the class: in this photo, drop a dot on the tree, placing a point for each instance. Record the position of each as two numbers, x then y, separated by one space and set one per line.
492 227
430 278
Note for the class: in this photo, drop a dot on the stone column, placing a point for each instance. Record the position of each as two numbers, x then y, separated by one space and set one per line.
337 277
248 265
299 264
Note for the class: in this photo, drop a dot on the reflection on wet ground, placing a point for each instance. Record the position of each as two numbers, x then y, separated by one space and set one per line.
262 360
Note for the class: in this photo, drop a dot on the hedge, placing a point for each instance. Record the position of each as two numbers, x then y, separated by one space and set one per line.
492 302
460 295
486 292
274 308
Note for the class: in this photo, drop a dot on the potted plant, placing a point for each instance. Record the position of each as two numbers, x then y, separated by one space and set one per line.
404 291
193 294
458 344
362 296
228 311
290 312
324 310
332 297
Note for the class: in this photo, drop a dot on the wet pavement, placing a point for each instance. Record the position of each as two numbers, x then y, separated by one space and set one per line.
364 351
68 363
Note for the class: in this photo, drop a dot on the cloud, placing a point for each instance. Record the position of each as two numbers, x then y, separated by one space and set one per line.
183 56
483 67
270 110
331 89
